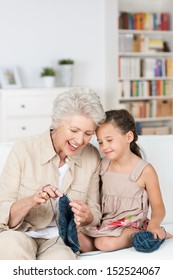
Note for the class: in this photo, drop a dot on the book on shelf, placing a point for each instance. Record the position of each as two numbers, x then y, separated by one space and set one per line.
138 127
149 67
150 108
140 109
155 44
143 88
126 88
142 43
155 130
165 21
169 67
144 21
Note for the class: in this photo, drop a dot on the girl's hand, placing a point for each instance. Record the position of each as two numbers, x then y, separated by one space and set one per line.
44 193
82 213
157 230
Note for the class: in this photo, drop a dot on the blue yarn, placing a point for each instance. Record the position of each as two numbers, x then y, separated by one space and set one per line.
66 224
144 241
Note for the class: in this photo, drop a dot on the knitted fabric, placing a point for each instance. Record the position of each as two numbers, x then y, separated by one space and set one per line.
144 241
66 224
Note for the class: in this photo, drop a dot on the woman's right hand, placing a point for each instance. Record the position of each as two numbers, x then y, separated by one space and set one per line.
43 194
21 208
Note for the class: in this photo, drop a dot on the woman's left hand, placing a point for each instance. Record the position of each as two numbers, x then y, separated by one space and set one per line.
82 213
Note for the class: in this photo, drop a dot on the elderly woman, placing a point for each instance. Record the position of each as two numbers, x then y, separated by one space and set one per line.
41 169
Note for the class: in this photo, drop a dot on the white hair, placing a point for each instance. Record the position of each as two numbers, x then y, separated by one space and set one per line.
77 101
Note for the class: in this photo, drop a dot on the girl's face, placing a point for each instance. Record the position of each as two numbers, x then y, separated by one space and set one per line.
73 134
113 144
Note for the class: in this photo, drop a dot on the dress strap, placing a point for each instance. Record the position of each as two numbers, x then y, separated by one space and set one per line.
104 165
136 172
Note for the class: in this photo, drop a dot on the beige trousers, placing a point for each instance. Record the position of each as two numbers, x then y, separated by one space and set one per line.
15 245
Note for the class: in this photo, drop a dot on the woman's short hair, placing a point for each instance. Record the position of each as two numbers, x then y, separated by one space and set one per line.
82 101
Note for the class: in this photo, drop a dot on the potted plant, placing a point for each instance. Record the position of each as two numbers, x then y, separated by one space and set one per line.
48 76
65 61
66 71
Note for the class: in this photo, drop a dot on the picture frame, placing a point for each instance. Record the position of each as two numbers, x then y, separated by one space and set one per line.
9 77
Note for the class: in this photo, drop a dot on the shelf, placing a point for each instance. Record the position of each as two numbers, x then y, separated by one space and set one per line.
141 98
144 79
144 54
146 32
157 119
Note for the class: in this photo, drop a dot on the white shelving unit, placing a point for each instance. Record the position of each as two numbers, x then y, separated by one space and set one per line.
145 75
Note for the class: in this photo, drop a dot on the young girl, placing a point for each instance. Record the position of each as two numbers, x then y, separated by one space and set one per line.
129 185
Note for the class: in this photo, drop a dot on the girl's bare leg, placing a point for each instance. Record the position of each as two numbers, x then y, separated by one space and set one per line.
86 243
110 243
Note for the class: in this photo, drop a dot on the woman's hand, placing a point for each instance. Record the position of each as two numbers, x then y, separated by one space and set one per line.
82 213
43 194
21 208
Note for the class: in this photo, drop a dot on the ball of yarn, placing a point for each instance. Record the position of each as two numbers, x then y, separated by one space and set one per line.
144 241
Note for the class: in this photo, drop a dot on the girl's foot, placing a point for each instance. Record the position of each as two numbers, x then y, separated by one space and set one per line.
168 235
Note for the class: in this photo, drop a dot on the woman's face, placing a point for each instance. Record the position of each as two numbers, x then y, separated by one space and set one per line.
73 134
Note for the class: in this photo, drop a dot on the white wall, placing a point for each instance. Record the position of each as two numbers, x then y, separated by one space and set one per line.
37 33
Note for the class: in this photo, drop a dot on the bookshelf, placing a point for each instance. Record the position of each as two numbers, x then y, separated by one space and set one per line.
145 63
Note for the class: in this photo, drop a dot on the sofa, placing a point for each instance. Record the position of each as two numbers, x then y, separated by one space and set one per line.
158 150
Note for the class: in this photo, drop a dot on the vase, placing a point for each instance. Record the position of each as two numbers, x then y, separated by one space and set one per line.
49 81
65 72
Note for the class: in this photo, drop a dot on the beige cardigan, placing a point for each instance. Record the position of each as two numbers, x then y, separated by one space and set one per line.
33 163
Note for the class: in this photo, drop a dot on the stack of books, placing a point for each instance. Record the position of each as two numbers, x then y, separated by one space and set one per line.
144 21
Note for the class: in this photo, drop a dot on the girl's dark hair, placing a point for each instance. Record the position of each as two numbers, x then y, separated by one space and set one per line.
125 122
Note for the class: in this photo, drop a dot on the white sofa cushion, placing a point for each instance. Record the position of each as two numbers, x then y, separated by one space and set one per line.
4 151
158 150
